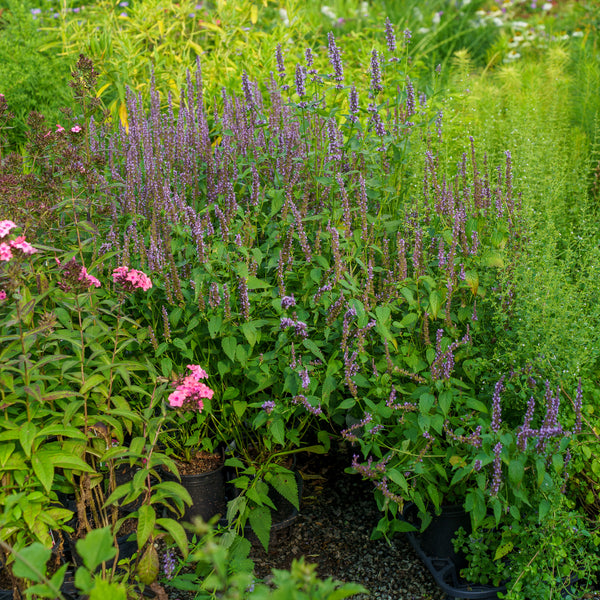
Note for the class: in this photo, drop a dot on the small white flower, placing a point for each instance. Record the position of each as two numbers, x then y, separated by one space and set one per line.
530 35
328 12
481 14
436 18
423 30
577 33
547 6
364 9
466 2
520 25
512 56
497 21
283 15
564 36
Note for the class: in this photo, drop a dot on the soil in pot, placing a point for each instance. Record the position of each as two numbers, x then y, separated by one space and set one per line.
204 480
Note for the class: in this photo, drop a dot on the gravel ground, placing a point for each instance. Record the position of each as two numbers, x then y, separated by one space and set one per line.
333 529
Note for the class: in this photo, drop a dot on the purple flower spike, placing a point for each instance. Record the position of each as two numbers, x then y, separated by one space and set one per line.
390 37
375 73
335 59
496 407
497 479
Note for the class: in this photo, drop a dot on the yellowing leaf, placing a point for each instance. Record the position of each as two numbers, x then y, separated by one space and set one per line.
503 550
196 47
99 92
472 279
123 116
457 460
253 14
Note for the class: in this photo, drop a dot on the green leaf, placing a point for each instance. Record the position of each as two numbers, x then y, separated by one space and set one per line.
260 521
277 429
426 402
435 303
69 461
544 509
146 521
445 401
104 589
312 347
516 470
44 471
287 486
30 562
92 382
27 435
229 345
477 405
83 579
97 547
177 532
250 332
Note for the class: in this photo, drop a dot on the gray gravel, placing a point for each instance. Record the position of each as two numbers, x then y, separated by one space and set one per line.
333 529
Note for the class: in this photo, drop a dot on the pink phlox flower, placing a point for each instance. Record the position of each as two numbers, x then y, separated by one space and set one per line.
5 227
190 388
22 245
119 273
2 295
59 128
198 372
76 129
5 253
131 278
177 398
85 276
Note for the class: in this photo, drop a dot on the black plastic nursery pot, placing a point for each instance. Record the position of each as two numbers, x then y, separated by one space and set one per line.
435 549
207 491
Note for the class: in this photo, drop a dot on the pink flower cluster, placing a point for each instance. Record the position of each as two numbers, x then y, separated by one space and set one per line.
191 389
75 276
19 242
130 279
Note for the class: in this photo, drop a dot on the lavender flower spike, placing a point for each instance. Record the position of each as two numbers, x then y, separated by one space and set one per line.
496 408
390 37
375 73
335 59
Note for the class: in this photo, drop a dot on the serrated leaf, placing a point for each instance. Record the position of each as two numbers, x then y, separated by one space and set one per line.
503 550
97 547
260 521
516 471
287 486
310 345
544 509
435 303
104 589
229 345
30 562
